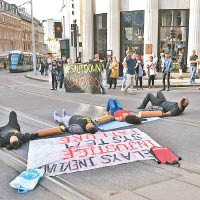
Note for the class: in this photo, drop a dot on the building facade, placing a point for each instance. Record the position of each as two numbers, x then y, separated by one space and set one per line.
146 26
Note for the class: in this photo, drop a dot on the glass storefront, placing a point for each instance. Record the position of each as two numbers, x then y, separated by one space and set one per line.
100 35
174 32
132 32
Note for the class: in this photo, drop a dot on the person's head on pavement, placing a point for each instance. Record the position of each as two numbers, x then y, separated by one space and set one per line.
183 103
90 128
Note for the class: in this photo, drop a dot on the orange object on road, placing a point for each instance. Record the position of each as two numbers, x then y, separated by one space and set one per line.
52 131
156 113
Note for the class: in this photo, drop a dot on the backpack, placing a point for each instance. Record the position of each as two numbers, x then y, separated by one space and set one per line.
164 155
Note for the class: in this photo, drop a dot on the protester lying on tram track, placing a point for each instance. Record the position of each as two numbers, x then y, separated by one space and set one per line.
11 136
169 108
76 124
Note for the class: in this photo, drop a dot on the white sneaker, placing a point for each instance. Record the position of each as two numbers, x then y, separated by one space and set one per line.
64 113
122 89
128 89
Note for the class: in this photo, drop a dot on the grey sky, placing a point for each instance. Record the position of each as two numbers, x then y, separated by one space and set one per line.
42 9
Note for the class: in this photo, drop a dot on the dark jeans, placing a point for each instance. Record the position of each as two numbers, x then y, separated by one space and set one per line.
54 81
138 79
155 101
61 77
113 105
168 79
113 80
151 79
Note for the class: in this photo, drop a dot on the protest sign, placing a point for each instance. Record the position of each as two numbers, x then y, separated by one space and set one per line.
83 77
89 151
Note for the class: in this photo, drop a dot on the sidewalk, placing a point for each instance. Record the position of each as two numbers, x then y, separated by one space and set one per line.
175 81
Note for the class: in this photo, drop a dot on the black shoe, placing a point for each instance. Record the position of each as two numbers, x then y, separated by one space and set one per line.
163 89
140 108
103 92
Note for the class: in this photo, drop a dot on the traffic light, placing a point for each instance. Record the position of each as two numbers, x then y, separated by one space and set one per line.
173 34
58 29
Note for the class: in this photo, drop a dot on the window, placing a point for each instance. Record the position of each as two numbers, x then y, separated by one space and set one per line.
174 32
132 32
100 35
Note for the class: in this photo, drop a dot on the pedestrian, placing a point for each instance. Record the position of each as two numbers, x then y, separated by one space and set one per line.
167 66
139 68
131 63
69 61
169 108
78 60
181 64
114 67
54 75
151 67
108 71
41 68
96 59
125 68
46 68
61 70
193 66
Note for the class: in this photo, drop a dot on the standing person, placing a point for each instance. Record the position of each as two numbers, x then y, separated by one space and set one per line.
54 75
151 66
125 68
108 71
139 71
46 68
69 61
96 58
114 67
193 66
42 68
78 60
61 70
131 63
167 66
181 64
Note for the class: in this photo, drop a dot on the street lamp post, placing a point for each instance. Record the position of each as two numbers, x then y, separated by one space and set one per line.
33 41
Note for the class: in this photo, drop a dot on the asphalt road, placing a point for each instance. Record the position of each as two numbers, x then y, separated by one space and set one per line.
34 103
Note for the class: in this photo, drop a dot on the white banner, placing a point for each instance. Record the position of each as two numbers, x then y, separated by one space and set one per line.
84 152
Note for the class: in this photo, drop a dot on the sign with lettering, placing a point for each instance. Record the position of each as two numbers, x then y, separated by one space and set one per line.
83 77
89 151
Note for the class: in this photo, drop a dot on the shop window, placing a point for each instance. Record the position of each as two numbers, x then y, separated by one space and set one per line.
100 35
132 32
174 32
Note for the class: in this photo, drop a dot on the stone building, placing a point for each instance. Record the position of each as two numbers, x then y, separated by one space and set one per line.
146 26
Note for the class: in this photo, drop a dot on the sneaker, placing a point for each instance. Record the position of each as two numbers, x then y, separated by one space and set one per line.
122 89
55 116
64 113
163 89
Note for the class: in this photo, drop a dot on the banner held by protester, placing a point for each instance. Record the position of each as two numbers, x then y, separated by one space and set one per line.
89 151
84 77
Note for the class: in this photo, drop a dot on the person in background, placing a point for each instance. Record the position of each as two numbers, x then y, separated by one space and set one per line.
128 50
108 71
193 66
78 60
61 70
114 67
69 61
167 66
54 75
96 58
151 66
181 64
139 71
125 68
42 68
46 68
131 63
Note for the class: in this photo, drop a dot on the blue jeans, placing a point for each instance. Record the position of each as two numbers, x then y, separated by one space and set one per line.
113 105
124 81
101 83
193 70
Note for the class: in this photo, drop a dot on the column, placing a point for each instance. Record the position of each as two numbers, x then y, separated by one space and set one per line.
88 39
113 27
194 28
151 26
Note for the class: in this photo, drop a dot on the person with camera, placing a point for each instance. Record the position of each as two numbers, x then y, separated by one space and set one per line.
151 67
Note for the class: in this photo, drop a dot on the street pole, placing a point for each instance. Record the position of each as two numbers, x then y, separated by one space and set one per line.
33 41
